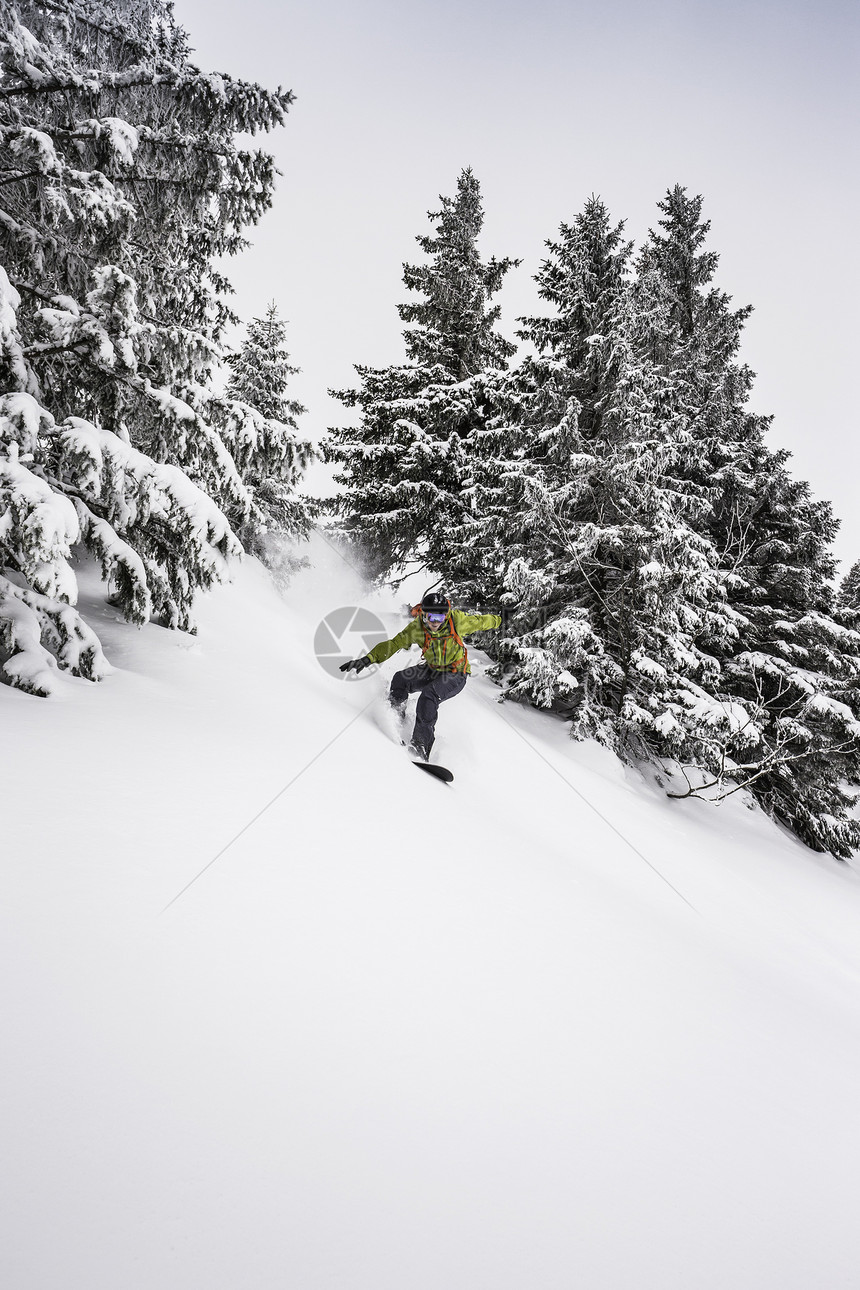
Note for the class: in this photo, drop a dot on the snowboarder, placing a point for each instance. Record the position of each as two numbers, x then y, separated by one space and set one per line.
438 629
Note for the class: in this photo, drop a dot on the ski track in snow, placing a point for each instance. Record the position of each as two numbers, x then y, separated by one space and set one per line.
537 1029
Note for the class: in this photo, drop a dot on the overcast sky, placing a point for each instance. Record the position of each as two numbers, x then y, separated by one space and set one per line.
754 105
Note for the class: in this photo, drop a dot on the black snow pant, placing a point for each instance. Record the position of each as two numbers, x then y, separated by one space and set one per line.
435 688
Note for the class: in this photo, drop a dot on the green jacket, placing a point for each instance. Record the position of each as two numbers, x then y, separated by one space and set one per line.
442 650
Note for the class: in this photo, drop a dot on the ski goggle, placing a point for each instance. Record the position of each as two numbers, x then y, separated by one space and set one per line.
435 619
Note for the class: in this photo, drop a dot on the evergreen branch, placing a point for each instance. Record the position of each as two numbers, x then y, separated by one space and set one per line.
92 81
49 297
18 179
216 186
44 350
11 557
29 233
270 106
117 31
69 490
158 138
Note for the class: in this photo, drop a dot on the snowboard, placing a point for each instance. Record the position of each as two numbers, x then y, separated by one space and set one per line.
438 772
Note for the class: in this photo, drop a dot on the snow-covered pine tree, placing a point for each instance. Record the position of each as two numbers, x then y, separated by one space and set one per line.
785 661
849 590
121 187
271 456
579 516
401 468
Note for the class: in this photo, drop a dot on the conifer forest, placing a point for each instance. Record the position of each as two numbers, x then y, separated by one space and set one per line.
595 473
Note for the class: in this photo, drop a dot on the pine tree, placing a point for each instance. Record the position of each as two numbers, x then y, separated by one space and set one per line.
269 452
585 525
785 668
402 468
849 590
669 580
768 530
121 188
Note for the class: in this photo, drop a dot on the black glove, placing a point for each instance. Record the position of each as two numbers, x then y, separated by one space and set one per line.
356 664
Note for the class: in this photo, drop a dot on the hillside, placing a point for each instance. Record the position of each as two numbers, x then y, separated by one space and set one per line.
280 1011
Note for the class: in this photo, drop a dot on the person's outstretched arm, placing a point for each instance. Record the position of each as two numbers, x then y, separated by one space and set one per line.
468 623
410 635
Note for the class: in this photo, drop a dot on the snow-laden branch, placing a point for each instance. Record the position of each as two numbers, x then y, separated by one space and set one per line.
40 633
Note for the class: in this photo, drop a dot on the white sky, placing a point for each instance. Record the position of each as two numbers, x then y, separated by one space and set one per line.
755 105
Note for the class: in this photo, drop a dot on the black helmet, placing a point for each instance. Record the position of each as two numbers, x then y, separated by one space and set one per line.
435 602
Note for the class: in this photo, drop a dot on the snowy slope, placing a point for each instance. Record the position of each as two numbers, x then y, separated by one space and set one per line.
539 1029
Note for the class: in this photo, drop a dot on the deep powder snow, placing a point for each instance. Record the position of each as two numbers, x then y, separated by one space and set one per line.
542 1028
